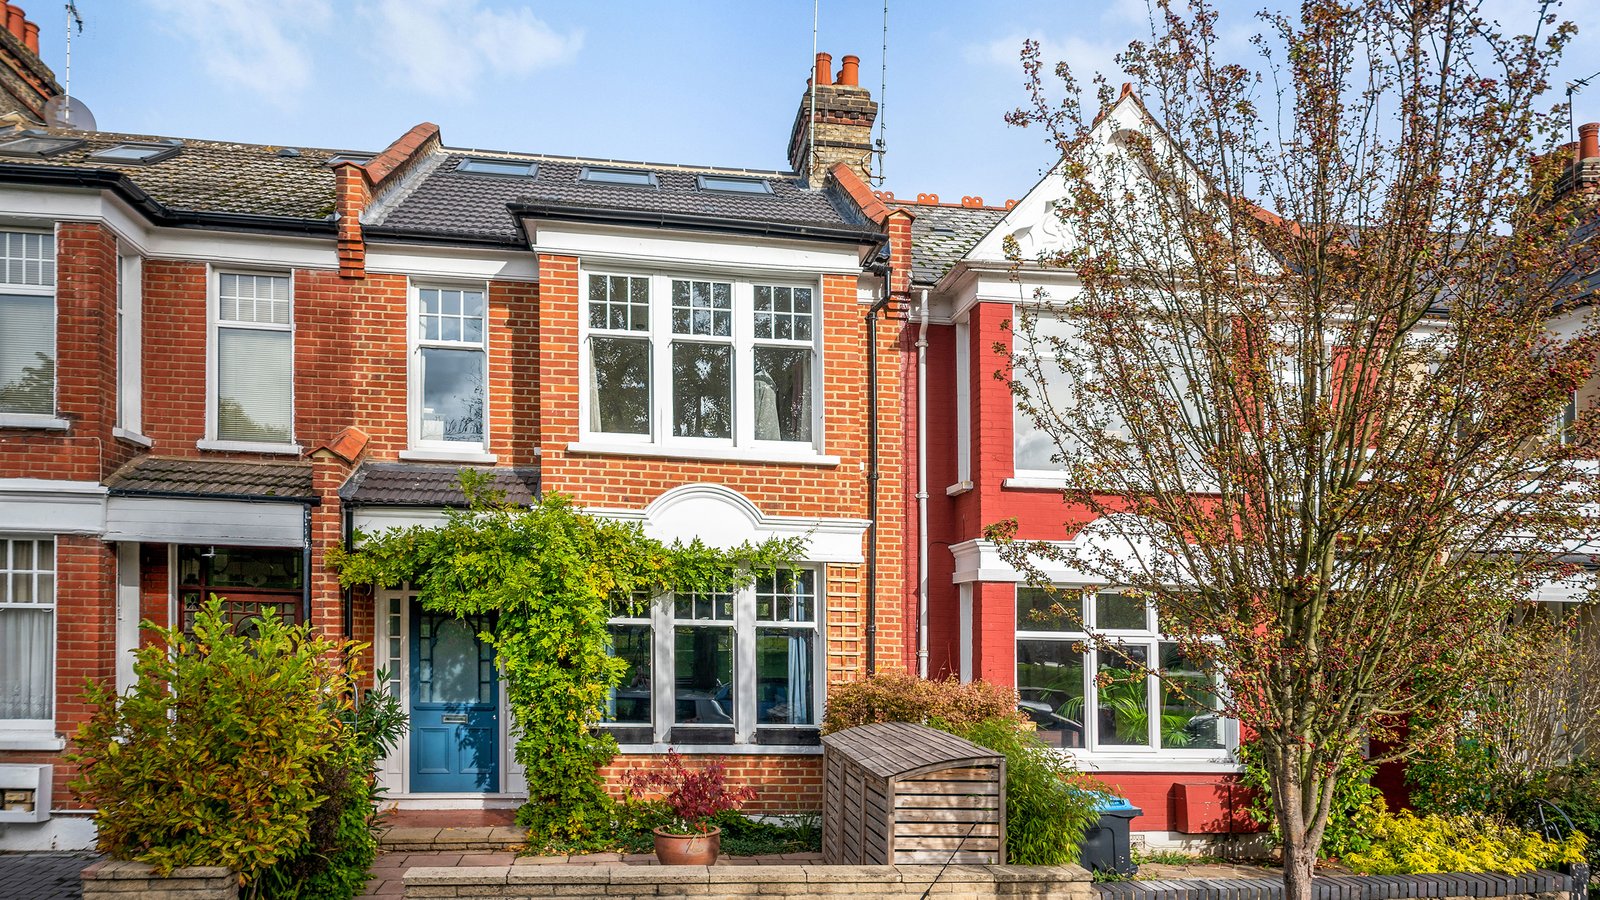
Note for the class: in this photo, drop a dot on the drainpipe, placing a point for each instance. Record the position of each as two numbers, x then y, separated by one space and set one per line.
922 491
346 595
873 474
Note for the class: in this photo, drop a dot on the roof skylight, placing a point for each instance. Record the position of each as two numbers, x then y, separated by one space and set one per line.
734 184
137 154
38 146
508 167
618 176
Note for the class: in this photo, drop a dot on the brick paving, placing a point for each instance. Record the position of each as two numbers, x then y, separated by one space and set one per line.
43 876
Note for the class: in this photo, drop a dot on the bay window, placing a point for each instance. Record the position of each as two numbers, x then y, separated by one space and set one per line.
718 668
27 325
1130 691
249 580
27 632
700 361
253 378
450 369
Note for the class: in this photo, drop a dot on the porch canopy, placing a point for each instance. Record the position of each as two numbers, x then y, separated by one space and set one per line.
171 500
384 495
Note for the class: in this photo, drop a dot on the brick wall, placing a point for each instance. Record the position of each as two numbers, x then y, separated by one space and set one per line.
784 784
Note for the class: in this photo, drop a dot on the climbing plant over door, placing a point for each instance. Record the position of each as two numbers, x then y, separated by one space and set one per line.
548 570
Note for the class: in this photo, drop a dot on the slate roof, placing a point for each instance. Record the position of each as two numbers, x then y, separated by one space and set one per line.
167 476
428 484
941 235
442 200
211 176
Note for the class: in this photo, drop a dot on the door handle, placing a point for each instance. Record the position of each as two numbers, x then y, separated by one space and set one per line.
456 719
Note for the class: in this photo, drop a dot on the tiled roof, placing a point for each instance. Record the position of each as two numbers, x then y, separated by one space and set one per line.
419 484
212 176
941 235
172 476
442 200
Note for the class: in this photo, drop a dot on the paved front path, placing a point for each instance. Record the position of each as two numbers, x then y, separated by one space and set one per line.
43 876
388 869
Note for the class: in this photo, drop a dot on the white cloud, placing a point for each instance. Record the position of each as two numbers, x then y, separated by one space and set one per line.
260 47
443 47
1086 57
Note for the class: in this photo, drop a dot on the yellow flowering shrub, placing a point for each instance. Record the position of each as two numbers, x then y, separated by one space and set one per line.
1404 844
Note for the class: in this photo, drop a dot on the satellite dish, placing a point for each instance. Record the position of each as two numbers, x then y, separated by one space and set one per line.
62 111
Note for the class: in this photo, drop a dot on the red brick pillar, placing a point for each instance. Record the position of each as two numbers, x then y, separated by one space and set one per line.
328 474
994 632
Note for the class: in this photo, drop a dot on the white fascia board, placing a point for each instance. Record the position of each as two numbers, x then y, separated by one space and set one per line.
375 520
42 506
43 206
700 251
179 520
459 263
979 560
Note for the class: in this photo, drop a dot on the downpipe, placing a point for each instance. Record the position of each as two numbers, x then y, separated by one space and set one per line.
922 490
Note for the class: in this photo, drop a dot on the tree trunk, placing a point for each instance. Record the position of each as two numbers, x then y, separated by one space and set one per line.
1299 823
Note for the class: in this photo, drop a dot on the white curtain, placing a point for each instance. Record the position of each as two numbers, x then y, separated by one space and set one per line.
799 679
27 686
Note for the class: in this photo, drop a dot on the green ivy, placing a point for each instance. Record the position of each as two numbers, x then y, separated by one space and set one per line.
548 573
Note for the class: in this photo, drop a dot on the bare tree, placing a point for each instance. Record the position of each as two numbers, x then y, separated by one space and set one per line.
1326 309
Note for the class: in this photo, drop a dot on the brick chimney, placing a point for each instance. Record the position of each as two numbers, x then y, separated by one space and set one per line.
25 81
1585 172
842 127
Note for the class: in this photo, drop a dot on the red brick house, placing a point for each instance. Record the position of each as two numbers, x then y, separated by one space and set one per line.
219 360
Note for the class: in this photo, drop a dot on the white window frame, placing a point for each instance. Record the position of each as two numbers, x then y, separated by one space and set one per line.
213 361
663 625
130 348
963 372
40 734
53 419
449 451
1151 639
742 444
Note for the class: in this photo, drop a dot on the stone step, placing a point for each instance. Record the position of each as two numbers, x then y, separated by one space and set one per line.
414 839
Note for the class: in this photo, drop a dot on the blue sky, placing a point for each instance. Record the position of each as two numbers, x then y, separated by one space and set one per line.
706 82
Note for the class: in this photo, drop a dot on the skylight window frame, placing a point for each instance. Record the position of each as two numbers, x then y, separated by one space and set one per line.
586 172
158 151
761 185
530 168
63 144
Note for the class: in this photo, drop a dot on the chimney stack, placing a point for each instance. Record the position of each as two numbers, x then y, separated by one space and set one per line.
834 123
30 83
1588 141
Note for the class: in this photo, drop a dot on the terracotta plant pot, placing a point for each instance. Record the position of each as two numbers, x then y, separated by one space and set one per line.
688 849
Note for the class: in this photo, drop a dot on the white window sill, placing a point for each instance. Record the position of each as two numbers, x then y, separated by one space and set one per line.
461 456
249 447
46 423
724 749
959 488
1036 482
132 437
32 740
721 454
1220 763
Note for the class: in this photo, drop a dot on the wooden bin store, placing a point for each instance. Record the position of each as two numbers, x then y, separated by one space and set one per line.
900 793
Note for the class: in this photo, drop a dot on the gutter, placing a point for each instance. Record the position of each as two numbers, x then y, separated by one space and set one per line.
156 211
609 216
190 495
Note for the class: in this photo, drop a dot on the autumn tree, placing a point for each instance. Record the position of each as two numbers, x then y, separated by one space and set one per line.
1327 305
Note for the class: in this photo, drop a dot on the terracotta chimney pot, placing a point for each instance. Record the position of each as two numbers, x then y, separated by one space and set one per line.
1588 141
14 21
849 71
31 37
824 69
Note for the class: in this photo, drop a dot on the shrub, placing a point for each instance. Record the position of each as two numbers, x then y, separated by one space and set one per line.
892 697
1404 844
1575 790
1356 803
235 751
695 796
1049 806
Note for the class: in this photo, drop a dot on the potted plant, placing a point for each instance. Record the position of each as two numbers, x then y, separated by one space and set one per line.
694 797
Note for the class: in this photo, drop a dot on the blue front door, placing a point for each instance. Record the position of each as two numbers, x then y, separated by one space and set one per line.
455 728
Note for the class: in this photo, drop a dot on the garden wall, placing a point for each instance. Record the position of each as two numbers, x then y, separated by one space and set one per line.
741 882
1542 885
117 880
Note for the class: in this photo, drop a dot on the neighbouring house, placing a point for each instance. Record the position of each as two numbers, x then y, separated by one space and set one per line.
219 360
